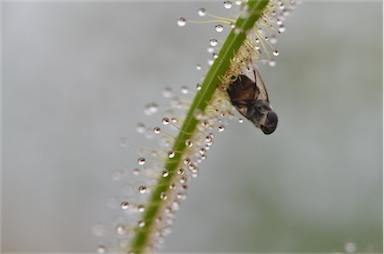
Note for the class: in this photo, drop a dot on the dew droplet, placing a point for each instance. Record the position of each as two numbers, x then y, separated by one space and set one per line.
210 61
275 52
142 189
181 21
272 63
213 42
238 2
163 196
167 92
187 161
136 171
219 28
120 229
232 25
172 186
215 55
221 128
180 171
198 67
188 143
350 247
171 154
208 139
184 90
201 12
151 108
140 127
124 205
273 39
141 208
141 161
210 50
141 224
165 121
183 179
281 29
202 151
101 249
165 173
241 120
156 130
227 4
198 87
173 120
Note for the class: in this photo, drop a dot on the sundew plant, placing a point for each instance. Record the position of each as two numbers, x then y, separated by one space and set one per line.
154 189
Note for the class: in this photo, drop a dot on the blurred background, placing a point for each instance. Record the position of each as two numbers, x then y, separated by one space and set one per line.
77 75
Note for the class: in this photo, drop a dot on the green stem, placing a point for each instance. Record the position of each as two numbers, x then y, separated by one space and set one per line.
209 85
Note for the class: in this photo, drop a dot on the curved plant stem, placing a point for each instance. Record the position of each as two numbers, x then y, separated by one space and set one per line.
231 45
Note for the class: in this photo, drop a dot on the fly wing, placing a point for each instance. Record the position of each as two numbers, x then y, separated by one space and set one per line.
263 94
243 91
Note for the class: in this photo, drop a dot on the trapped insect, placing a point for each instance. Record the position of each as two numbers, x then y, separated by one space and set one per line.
251 99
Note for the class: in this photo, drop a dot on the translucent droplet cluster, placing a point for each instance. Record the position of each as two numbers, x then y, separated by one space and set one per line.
140 182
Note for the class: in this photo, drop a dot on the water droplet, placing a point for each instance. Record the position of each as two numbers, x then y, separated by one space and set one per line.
227 4
101 249
184 90
183 179
136 171
281 29
210 50
188 143
215 55
208 139
141 224
171 154
198 87
187 161
142 189
141 161
180 171
232 25
219 28
213 42
165 173
181 21
273 39
140 127
201 12
172 186
175 205
202 151
141 208
237 30
156 130
167 92
163 196
238 2
272 63
165 121
221 128
275 52
120 229
198 67
350 247
173 120
151 108
210 61
241 120
124 205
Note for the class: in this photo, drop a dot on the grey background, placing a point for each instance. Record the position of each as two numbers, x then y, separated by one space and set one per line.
77 75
